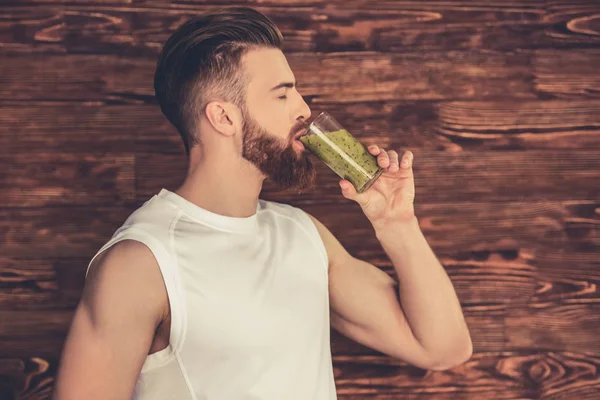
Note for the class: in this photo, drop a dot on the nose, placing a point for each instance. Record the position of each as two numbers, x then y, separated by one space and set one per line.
305 112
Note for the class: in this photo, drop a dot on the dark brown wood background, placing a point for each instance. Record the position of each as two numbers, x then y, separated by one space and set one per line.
498 100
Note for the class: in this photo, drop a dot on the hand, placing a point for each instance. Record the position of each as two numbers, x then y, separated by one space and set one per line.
391 197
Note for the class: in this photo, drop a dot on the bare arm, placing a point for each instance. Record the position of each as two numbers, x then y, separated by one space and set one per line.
123 302
428 297
366 306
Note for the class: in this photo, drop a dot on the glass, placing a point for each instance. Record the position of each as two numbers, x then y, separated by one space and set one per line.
341 152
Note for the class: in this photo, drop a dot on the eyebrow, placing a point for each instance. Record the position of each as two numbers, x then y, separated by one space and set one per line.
284 84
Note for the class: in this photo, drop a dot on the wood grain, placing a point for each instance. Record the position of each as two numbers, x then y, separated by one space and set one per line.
58 178
555 326
573 22
368 76
77 232
498 100
32 29
505 228
32 284
483 175
58 232
34 324
92 129
568 74
395 26
496 297
311 26
27 379
502 375
520 125
98 129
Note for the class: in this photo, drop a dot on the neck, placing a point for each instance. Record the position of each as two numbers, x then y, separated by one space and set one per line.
229 188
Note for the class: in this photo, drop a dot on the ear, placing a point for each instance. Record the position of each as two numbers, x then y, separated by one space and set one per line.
222 116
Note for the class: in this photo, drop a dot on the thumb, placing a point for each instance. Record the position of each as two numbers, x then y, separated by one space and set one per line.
348 190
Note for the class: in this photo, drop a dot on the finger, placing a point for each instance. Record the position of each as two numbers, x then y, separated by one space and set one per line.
394 166
383 159
407 159
374 149
348 190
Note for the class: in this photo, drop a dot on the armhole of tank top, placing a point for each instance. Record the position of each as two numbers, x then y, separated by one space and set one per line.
172 282
312 231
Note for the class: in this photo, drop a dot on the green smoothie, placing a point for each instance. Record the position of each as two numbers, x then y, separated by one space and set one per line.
346 156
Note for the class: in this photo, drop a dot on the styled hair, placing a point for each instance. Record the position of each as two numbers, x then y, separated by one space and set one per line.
201 62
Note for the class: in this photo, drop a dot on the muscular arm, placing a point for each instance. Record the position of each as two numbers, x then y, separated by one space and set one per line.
123 302
367 307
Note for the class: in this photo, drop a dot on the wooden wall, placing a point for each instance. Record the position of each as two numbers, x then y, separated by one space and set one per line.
498 100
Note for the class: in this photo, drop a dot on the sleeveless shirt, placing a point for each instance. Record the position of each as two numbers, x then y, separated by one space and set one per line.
249 303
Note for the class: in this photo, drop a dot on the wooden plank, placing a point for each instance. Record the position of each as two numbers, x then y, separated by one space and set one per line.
24 325
50 179
367 76
573 22
503 124
64 3
32 29
495 324
454 126
39 284
112 27
554 326
447 75
568 73
492 176
508 228
400 27
27 379
63 232
520 125
383 4
490 278
94 128
488 283
493 277
503 375
366 376
44 347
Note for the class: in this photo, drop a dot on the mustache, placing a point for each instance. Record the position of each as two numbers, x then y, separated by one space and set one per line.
298 126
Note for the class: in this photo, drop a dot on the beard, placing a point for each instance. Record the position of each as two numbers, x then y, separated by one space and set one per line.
276 158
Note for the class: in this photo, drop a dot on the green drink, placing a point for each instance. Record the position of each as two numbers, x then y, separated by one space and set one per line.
341 152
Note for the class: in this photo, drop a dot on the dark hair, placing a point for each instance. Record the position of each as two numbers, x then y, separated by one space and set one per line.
201 62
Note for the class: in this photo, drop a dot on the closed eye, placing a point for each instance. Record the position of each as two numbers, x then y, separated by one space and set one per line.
283 97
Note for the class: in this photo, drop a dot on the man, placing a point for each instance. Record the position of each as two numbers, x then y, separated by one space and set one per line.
209 292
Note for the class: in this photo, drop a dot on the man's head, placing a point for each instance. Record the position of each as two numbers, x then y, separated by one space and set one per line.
223 71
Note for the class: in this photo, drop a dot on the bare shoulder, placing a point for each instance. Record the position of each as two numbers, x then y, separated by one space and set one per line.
126 277
123 302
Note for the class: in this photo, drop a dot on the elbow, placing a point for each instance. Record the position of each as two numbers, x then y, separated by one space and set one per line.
455 359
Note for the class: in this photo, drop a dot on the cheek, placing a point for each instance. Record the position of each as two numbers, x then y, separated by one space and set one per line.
272 116
276 123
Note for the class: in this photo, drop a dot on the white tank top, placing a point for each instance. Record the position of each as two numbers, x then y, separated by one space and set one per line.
249 303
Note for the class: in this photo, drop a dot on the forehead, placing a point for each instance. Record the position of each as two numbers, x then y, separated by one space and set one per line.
266 68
